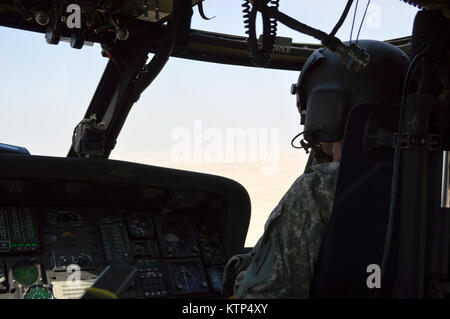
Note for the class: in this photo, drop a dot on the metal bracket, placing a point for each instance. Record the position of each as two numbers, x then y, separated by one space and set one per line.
89 138
433 142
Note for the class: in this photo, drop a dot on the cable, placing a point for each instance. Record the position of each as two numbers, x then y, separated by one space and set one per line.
342 19
304 144
362 21
296 25
293 140
202 11
353 22
395 171
260 53
353 57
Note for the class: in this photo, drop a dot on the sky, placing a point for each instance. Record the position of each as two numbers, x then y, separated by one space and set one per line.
193 111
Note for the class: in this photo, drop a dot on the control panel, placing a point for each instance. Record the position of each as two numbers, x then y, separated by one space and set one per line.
59 252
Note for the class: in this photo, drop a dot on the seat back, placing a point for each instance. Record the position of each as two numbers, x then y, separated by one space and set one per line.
355 235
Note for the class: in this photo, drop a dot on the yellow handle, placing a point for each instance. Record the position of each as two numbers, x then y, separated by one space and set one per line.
101 293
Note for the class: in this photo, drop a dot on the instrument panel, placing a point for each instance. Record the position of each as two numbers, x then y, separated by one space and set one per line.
58 252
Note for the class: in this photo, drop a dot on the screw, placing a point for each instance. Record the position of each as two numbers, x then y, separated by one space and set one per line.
42 18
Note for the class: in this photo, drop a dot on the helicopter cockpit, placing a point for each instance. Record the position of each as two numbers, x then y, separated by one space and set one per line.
86 226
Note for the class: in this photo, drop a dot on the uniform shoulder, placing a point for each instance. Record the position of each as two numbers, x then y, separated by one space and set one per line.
319 173
323 168
317 179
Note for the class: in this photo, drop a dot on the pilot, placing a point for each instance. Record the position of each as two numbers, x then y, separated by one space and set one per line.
281 265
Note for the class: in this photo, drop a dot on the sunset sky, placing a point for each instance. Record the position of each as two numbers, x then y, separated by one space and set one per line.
59 82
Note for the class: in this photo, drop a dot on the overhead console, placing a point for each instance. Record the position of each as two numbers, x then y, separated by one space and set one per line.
63 220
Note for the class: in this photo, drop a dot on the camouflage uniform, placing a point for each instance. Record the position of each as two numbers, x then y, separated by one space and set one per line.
281 264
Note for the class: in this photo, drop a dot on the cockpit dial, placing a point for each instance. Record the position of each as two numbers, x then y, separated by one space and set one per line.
38 292
206 230
25 272
173 239
188 277
140 225
212 253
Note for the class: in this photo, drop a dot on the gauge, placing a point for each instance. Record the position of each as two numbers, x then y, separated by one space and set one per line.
140 225
215 274
173 239
206 230
38 292
176 236
25 272
188 277
212 253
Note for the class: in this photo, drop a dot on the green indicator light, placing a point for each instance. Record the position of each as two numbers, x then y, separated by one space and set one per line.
25 272
27 245
34 245
38 292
